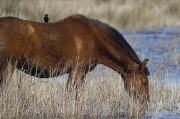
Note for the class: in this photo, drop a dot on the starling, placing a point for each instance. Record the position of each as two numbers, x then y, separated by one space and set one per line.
46 19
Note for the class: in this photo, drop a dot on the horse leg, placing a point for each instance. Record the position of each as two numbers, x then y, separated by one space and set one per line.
75 85
76 79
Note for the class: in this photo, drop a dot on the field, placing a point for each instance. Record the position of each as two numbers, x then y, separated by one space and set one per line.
121 14
103 95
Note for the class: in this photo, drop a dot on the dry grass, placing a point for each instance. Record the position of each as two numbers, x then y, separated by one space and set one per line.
103 97
124 15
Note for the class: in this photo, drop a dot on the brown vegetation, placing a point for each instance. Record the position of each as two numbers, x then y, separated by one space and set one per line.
121 14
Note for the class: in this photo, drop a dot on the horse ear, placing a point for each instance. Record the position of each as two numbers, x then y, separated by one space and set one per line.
143 65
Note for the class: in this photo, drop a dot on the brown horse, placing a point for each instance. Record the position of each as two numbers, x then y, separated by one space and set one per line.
76 43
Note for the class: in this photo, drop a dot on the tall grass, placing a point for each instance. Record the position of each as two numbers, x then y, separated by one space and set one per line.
103 96
124 15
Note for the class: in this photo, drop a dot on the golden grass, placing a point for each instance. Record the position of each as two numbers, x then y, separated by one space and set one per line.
103 96
124 15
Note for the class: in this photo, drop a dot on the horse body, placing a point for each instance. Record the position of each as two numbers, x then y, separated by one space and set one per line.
47 44
76 43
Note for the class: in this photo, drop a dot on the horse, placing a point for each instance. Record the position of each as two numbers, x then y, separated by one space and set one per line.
76 43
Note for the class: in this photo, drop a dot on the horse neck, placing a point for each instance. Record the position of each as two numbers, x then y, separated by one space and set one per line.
117 57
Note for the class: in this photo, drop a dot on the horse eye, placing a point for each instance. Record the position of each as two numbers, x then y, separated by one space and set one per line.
144 83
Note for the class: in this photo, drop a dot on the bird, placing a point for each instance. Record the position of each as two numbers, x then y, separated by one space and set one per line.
46 19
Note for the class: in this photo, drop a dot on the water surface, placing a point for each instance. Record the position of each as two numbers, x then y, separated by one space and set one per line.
162 47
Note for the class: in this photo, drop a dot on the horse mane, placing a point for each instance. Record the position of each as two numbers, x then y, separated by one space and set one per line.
120 39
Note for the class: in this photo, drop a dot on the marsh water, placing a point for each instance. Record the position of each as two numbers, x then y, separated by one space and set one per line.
162 47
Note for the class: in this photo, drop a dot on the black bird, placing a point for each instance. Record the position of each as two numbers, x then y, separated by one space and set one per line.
46 19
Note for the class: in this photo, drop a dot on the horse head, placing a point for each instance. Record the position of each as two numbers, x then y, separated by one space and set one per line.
137 83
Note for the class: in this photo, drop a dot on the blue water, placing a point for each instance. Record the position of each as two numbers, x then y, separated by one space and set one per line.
162 47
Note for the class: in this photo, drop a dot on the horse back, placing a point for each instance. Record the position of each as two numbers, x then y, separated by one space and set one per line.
70 39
